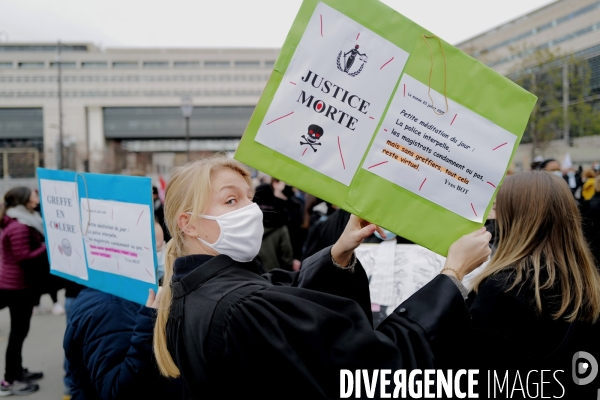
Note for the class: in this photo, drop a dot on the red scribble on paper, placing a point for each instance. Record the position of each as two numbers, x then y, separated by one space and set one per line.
496 148
304 151
373 166
453 119
146 248
371 117
341 155
277 119
490 183
293 83
148 272
385 130
357 36
321 24
389 61
138 221
474 210
422 183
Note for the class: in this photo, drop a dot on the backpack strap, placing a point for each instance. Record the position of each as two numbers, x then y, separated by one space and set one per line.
215 344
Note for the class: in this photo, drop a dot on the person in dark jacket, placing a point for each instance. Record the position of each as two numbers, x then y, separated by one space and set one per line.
537 302
276 248
231 333
108 345
23 262
591 220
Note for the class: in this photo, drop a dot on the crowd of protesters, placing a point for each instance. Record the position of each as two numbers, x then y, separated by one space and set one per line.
262 295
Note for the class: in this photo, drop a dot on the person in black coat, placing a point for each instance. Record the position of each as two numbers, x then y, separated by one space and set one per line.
538 301
108 345
231 333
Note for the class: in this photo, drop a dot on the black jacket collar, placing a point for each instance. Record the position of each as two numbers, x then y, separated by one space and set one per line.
203 272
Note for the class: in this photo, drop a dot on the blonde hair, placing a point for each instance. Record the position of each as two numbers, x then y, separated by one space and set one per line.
188 191
539 230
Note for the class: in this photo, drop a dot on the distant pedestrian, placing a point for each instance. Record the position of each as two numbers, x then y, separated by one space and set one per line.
23 259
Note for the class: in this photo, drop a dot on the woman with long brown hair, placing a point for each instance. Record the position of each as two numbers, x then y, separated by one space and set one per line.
536 303
231 333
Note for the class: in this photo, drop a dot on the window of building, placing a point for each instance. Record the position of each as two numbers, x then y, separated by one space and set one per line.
247 64
156 64
94 64
125 64
69 64
186 64
31 65
6 64
216 64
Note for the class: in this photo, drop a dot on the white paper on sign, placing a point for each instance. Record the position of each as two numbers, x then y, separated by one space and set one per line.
455 160
332 95
119 238
382 279
413 267
61 218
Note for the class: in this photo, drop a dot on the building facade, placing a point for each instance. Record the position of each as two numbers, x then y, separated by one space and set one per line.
119 109
565 27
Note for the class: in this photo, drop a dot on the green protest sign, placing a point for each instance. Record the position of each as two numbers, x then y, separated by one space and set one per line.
367 110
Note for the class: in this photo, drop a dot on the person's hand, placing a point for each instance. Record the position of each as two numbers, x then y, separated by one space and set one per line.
154 300
355 232
296 264
468 253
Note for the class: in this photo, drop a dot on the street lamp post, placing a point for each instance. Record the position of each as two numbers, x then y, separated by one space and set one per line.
61 163
187 108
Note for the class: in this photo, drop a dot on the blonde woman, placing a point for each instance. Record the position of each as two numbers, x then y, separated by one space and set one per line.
537 302
230 333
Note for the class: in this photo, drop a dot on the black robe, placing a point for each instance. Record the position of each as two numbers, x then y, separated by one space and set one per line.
290 337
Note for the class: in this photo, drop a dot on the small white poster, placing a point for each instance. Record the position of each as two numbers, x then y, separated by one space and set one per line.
119 238
455 160
61 217
333 94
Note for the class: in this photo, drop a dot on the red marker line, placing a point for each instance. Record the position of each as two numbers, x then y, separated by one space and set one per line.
357 36
146 248
341 155
490 183
148 272
422 183
277 119
138 221
304 151
371 117
474 209
373 166
321 24
453 119
385 130
405 90
495 148
390 60
292 83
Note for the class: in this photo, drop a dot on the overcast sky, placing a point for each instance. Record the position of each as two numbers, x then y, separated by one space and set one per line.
221 23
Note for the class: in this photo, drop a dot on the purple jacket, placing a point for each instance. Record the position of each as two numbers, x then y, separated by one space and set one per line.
19 243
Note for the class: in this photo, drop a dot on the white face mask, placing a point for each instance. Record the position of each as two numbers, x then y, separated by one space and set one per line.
557 173
241 233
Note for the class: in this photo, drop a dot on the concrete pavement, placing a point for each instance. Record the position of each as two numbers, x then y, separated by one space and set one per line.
42 350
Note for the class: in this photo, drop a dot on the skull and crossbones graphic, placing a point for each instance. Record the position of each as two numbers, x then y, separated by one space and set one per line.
315 132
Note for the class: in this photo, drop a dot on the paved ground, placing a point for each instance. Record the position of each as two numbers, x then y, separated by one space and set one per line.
42 350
